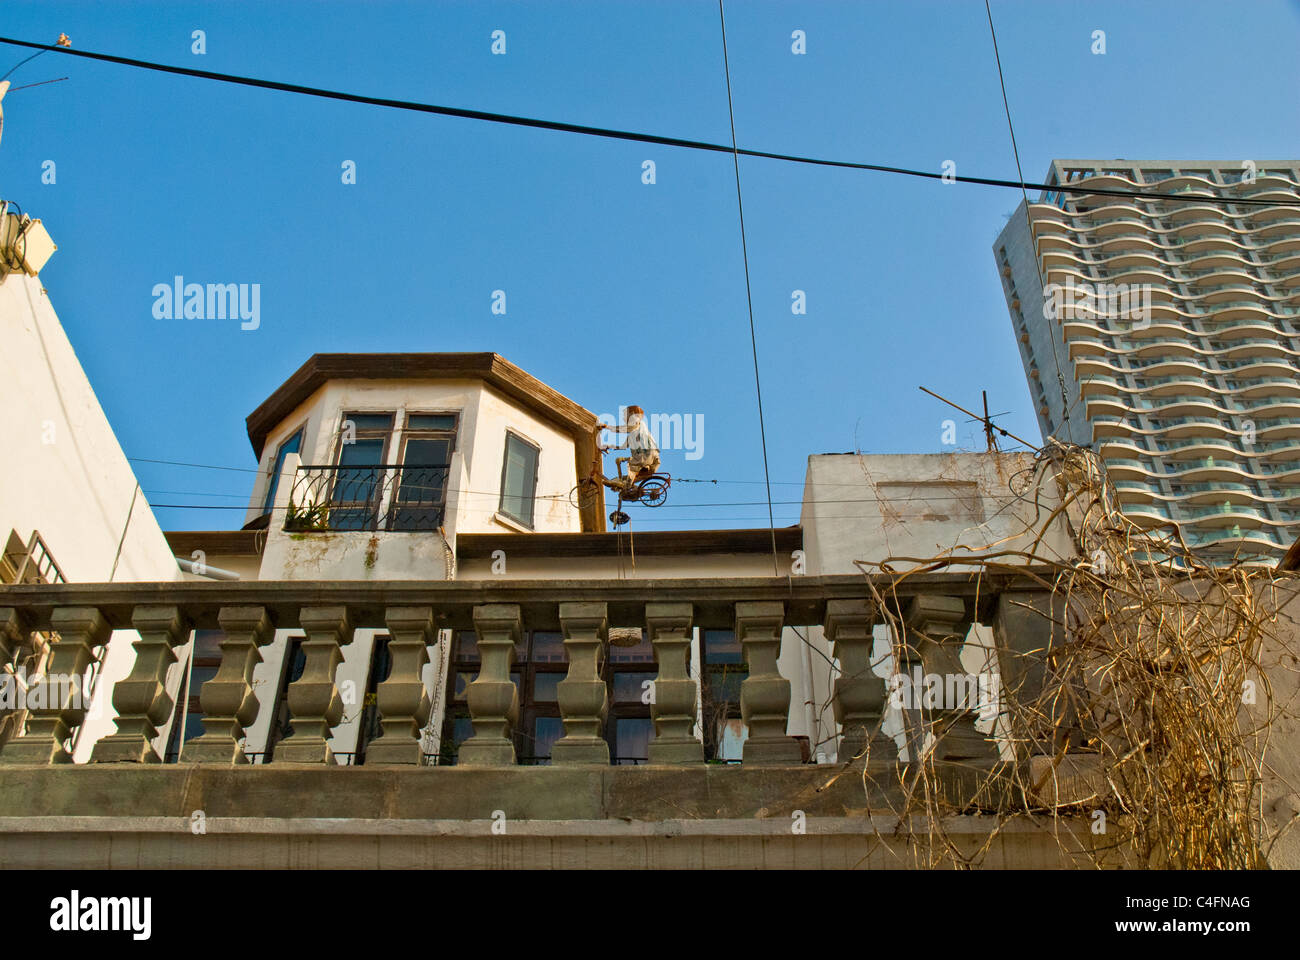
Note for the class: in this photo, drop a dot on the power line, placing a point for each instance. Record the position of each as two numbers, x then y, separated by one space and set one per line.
749 295
611 134
1015 150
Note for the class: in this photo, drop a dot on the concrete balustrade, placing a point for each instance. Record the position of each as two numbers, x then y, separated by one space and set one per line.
935 610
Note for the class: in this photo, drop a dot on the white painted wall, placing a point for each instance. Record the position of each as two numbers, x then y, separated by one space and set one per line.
881 506
66 476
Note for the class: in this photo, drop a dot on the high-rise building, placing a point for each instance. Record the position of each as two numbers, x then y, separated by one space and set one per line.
1165 334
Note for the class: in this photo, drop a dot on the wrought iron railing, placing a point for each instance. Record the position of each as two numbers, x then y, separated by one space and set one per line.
382 497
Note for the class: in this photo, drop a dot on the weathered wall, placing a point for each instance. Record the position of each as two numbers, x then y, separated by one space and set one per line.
65 474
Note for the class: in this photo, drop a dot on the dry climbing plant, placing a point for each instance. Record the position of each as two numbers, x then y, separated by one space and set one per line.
1135 707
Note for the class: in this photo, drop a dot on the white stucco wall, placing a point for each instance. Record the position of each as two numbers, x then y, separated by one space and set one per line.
881 506
66 476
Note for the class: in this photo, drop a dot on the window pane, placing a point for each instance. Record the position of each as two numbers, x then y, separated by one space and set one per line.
721 646
519 481
632 736
207 644
462 729
370 421
421 485
431 421
631 687
289 446
548 647
463 679
466 645
365 452
199 676
546 686
724 685
546 730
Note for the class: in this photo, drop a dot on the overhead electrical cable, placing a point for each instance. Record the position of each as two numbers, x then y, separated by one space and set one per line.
611 134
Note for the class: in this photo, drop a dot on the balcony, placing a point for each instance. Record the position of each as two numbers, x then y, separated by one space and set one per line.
394 497
305 805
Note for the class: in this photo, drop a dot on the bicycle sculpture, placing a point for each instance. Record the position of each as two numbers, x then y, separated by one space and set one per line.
644 487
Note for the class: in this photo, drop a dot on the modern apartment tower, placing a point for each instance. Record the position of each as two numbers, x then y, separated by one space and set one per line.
1165 334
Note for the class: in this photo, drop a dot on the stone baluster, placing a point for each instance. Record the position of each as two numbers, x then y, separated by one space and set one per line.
79 630
141 699
15 639
402 699
1026 626
673 707
581 694
937 628
859 695
315 706
15 633
764 694
228 701
492 698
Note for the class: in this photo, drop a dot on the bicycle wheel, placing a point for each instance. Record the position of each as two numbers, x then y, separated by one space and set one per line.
586 494
654 491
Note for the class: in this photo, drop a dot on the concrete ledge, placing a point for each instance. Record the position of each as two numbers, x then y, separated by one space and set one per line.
209 816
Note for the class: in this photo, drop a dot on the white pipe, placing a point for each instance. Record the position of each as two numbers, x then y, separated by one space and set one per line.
212 573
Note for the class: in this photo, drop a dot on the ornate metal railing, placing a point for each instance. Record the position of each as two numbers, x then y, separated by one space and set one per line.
937 609
399 497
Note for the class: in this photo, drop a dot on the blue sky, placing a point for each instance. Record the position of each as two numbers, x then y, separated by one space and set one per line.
617 291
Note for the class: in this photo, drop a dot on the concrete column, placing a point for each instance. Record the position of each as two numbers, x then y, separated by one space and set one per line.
673 708
141 699
315 707
492 698
764 694
581 694
1026 626
937 628
858 694
403 702
228 701
79 630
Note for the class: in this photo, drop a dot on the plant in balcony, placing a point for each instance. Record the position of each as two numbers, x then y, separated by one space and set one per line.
310 516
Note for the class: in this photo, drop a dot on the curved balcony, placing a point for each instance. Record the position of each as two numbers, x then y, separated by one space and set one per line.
1224 515
1207 470
1217 493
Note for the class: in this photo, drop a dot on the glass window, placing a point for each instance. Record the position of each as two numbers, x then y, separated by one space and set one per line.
292 445
431 421
548 647
546 730
632 736
369 421
721 646
519 480
546 686
466 645
630 687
